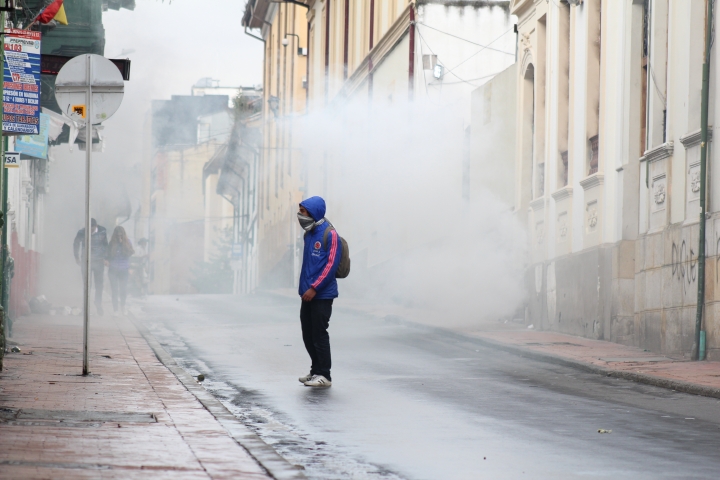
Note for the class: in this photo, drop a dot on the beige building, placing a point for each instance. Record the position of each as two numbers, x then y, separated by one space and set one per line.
606 168
282 27
180 221
340 58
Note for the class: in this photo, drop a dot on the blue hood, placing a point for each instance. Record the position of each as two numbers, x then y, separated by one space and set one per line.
315 207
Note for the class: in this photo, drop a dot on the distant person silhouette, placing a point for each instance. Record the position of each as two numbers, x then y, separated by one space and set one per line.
118 255
98 250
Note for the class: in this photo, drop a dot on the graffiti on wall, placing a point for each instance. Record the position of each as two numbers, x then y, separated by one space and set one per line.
683 265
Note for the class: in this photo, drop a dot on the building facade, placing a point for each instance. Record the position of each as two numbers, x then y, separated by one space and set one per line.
186 133
351 55
282 27
605 168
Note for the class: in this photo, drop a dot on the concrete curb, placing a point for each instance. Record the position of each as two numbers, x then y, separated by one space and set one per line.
276 466
678 385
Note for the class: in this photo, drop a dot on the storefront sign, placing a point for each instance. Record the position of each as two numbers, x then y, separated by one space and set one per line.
21 82
12 160
35 145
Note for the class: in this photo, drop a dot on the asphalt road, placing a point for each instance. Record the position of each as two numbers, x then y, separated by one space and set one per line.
412 402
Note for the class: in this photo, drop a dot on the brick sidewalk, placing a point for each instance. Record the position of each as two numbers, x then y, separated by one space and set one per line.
131 418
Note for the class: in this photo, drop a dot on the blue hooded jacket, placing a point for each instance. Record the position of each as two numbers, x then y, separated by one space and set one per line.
320 262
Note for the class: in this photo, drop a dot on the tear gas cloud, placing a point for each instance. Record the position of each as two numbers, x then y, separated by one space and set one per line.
171 45
392 174
393 180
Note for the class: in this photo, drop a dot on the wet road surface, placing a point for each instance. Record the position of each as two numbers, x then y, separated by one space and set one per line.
412 402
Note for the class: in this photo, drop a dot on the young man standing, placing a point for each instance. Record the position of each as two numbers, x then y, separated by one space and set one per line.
318 288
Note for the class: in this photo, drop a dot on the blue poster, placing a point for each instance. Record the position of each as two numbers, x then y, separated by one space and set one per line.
21 82
35 145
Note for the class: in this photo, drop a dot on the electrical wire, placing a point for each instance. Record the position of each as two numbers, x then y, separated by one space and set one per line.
470 80
450 71
422 56
466 40
655 84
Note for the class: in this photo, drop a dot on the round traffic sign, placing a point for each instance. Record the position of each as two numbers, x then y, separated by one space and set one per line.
94 73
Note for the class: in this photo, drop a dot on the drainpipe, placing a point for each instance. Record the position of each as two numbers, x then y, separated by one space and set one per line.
370 60
347 36
253 35
307 72
411 68
3 149
699 344
327 50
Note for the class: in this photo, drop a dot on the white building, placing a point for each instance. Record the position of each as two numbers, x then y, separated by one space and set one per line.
606 168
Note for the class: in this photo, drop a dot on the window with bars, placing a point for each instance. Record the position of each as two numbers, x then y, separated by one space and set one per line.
593 155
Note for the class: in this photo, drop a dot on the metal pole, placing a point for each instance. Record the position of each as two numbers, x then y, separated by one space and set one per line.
5 249
3 320
697 354
88 250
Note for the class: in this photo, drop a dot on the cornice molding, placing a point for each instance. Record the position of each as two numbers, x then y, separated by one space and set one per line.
658 153
562 194
689 140
519 7
594 180
378 53
538 204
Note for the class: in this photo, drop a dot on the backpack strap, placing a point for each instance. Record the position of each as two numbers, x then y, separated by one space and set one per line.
325 235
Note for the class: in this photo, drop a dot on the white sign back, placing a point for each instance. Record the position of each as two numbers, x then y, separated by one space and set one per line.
89 71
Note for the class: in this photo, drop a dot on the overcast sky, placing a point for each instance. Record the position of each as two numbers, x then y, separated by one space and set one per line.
172 46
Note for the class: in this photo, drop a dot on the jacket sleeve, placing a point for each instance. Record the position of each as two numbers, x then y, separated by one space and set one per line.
76 244
333 260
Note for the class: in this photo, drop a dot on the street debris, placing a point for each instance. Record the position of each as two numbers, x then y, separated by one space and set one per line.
40 305
200 377
66 310
602 430
531 326
15 349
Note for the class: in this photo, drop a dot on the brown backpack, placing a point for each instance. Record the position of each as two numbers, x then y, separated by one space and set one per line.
343 269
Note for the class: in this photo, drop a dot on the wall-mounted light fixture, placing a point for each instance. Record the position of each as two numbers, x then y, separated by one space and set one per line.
285 42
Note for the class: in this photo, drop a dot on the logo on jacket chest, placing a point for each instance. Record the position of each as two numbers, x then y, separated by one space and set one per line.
317 245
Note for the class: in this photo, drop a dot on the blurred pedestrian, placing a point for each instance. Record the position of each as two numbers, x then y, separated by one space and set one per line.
317 288
98 250
119 252
141 261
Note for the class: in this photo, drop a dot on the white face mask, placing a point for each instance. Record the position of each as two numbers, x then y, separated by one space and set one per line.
307 223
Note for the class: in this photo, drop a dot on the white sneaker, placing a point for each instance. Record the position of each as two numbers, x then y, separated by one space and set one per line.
306 378
318 381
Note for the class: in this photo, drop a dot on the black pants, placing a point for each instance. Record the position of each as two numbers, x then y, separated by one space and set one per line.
118 286
97 272
315 319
